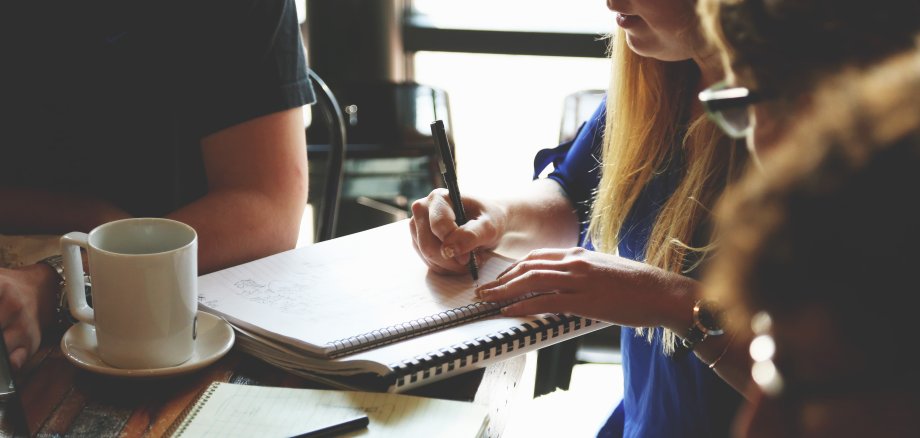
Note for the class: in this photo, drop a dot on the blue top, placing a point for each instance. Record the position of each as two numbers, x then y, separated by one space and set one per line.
664 396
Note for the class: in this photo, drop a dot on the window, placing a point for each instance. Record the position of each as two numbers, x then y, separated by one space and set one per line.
569 16
505 108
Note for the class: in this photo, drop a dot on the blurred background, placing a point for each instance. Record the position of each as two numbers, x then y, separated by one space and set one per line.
497 71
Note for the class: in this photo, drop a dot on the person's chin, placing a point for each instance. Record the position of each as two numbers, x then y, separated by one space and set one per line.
647 48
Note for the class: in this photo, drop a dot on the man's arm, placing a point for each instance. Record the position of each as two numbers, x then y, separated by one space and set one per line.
257 190
257 177
36 211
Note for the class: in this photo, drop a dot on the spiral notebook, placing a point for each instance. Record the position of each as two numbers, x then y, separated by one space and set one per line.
363 311
230 410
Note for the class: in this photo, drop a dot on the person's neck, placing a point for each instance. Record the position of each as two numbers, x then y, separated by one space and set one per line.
711 71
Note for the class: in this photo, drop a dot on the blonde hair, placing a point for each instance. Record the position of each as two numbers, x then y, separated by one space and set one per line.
648 108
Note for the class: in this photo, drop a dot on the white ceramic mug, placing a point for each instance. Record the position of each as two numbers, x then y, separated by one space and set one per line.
144 290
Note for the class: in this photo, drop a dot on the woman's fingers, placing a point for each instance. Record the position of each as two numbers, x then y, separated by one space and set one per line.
523 266
440 214
444 245
423 227
475 234
531 281
545 303
536 256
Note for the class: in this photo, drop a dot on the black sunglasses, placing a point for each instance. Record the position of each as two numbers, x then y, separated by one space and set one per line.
728 107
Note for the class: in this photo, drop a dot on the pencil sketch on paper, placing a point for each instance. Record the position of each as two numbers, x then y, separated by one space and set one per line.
283 296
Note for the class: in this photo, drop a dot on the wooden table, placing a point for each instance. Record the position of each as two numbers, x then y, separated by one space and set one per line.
61 400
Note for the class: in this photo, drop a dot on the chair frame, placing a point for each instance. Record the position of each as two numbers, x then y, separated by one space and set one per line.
327 216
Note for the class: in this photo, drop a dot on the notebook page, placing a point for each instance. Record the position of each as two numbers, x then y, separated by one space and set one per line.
230 410
337 289
245 410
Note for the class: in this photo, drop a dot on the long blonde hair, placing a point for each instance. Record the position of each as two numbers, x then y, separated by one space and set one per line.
648 108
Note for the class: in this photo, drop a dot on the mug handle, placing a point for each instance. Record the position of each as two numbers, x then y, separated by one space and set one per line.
73 272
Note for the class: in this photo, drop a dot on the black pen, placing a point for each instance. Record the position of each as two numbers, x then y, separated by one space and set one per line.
449 173
336 429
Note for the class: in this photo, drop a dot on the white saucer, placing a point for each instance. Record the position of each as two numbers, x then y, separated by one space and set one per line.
215 337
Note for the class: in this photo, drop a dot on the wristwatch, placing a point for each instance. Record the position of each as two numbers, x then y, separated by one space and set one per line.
707 321
61 309
57 263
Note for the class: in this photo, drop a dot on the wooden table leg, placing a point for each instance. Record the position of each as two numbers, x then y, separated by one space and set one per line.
499 389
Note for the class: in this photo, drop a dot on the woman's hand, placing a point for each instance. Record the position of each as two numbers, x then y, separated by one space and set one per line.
444 246
594 285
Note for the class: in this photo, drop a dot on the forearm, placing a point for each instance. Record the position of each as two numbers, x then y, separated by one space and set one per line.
236 226
33 211
257 179
732 359
728 351
540 217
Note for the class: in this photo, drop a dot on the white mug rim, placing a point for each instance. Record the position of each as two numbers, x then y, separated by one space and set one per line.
90 243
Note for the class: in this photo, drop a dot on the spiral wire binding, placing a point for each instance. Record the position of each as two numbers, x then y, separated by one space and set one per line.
190 412
398 332
482 348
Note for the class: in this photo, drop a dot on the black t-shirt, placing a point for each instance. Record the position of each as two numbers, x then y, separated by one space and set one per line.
112 98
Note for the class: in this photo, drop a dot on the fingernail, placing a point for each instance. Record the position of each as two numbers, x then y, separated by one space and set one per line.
448 252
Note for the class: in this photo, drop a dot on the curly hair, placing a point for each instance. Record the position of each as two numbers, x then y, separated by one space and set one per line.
833 221
783 47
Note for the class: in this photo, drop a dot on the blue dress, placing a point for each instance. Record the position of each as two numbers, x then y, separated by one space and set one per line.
664 396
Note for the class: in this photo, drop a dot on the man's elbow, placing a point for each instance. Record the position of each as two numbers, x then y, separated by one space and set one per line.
287 219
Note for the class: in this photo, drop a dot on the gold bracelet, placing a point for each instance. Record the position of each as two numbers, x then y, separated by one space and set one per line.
724 350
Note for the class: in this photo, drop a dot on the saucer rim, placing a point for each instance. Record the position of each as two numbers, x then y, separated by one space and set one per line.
175 370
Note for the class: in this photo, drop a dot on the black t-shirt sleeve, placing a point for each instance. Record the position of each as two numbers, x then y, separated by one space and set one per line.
249 63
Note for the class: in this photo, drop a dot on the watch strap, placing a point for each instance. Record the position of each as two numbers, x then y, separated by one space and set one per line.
61 309
693 337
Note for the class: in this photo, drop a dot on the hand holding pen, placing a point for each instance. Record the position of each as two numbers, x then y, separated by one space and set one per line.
449 174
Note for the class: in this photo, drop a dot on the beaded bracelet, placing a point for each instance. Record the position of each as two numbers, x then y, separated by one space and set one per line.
724 350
